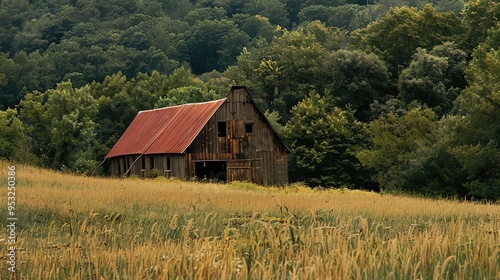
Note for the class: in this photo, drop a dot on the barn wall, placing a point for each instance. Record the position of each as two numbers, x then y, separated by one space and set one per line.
249 144
148 166
114 167
179 167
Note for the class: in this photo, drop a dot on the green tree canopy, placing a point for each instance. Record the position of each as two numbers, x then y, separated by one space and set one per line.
256 26
13 138
434 78
282 73
324 139
274 10
397 35
188 94
60 122
409 153
356 79
349 17
479 16
214 45
476 135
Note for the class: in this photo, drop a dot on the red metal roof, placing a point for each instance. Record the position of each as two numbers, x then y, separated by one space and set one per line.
168 130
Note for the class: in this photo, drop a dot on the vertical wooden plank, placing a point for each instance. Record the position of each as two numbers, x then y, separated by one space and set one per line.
177 166
286 181
112 167
122 166
183 165
137 165
272 168
231 131
214 138
188 163
240 129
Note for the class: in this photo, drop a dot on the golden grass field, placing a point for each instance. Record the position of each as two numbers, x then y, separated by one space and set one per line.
75 227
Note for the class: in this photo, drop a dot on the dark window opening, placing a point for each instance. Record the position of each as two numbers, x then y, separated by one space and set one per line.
167 172
143 163
151 162
169 164
248 128
222 129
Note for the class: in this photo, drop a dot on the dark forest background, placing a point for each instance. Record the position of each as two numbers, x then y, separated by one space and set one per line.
382 95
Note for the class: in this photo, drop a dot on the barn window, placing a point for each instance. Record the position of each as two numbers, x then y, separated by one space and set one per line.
151 162
222 129
143 163
167 172
248 128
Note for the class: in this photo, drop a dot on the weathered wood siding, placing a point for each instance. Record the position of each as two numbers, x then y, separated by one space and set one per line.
148 166
250 146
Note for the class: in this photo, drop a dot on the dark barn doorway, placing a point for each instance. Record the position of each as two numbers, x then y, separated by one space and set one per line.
211 170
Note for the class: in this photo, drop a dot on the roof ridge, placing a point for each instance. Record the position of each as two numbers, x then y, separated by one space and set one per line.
182 105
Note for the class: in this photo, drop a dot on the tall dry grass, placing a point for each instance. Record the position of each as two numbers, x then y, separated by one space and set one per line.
73 227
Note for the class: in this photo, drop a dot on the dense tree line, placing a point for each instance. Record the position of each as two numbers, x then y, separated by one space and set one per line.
42 44
368 94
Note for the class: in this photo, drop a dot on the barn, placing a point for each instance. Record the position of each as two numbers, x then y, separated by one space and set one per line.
227 140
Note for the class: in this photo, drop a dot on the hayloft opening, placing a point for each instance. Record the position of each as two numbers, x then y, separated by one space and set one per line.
248 128
222 129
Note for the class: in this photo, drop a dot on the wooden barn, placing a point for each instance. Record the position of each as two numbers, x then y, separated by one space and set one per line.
228 140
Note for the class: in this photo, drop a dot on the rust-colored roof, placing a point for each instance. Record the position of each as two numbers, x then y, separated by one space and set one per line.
168 130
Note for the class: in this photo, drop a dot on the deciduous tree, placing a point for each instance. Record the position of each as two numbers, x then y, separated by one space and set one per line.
410 153
397 35
282 73
476 134
356 80
214 44
324 140
434 78
479 16
13 139
61 125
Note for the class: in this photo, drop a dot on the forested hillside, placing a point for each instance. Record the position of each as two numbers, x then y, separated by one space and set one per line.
392 95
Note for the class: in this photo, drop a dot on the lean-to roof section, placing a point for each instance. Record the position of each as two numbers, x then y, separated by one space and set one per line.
168 130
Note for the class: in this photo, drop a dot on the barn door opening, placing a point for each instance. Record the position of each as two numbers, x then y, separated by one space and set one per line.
211 170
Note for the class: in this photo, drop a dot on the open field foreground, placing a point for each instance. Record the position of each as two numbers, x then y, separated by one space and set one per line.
72 227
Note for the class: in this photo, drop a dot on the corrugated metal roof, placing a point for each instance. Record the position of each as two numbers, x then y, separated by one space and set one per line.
168 130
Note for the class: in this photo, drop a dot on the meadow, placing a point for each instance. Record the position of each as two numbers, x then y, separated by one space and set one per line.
76 227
